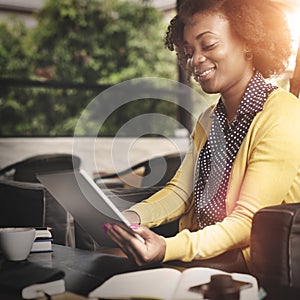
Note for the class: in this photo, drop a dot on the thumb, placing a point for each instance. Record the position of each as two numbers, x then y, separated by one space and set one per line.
143 231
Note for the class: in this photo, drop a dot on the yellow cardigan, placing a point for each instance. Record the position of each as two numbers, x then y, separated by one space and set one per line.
266 172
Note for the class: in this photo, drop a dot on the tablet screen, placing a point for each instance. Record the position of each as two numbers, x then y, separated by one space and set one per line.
85 201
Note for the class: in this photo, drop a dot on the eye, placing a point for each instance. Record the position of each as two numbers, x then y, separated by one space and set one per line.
209 46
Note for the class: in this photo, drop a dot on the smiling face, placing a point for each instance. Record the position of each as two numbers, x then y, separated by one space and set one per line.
216 55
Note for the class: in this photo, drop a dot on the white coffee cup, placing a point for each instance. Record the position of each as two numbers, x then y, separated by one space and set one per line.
16 243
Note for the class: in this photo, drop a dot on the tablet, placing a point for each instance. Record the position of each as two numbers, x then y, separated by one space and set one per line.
90 207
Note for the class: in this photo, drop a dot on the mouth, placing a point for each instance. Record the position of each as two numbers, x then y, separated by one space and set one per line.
199 76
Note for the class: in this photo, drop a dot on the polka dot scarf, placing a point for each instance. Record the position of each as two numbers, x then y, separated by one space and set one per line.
218 154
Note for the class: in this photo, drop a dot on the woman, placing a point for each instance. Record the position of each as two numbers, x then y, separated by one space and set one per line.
245 151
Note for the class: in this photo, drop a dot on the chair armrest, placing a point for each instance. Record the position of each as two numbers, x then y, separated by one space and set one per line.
22 184
121 173
275 246
122 179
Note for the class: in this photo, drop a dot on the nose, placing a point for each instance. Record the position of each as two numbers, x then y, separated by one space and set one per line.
197 58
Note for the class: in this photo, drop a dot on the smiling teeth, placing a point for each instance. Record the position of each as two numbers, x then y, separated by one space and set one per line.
206 72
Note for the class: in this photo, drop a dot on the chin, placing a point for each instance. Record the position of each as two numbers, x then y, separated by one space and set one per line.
209 89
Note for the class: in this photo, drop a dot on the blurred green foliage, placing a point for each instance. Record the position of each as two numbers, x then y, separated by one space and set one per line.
80 41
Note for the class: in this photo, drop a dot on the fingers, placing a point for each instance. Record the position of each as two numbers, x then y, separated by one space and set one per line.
155 245
126 241
122 236
151 251
131 245
142 231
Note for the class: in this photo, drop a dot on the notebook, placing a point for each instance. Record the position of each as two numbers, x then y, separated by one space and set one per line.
86 202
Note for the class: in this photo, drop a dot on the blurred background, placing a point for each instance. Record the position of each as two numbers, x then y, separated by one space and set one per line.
57 55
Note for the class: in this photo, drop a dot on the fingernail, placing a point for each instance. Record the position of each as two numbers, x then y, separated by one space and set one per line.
115 227
105 227
134 226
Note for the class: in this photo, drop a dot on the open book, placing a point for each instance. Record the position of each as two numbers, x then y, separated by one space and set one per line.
167 283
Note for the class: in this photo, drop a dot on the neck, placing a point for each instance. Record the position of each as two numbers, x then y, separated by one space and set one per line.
233 96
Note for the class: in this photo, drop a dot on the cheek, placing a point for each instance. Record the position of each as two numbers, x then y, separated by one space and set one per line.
227 56
237 56
232 63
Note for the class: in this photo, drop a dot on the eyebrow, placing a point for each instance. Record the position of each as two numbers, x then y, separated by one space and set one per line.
202 34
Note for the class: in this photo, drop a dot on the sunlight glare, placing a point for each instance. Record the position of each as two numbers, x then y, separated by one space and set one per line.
293 17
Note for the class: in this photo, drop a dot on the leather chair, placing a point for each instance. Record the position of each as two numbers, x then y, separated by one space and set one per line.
26 169
26 203
275 250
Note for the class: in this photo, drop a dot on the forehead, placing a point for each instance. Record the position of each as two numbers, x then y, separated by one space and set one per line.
201 24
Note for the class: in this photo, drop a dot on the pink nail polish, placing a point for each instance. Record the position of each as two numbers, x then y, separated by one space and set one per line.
105 227
134 226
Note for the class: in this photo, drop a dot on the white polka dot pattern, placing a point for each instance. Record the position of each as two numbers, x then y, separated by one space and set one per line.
218 154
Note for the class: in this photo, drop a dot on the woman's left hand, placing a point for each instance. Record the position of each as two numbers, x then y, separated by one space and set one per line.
151 251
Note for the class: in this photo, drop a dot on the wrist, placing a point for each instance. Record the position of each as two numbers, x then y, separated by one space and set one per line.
132 217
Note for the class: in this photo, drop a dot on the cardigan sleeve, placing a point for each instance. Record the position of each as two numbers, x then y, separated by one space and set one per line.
172 201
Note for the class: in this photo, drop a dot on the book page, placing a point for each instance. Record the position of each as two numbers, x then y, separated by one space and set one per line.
166 283
42 233
154 284
191 277
199 275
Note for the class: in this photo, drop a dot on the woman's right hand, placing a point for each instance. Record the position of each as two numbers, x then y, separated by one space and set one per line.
151 250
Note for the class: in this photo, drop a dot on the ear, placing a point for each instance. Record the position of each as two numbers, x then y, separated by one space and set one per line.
248 54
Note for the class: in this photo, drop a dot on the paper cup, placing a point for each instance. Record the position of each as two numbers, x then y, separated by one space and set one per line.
16 243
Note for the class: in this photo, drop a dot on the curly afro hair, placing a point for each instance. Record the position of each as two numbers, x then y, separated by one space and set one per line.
261 24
